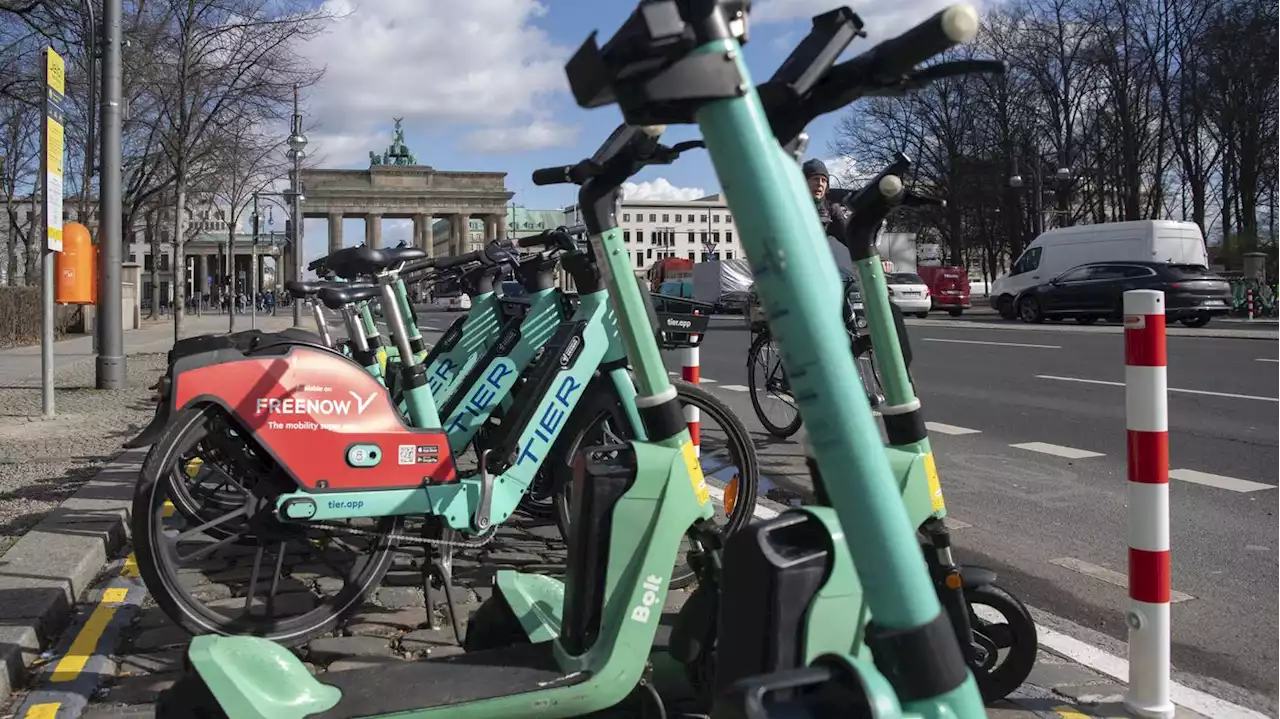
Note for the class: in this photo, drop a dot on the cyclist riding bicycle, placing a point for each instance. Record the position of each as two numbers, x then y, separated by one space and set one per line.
834 215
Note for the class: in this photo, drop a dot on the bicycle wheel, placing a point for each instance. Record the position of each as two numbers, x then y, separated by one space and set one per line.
727 455
770 392
207 581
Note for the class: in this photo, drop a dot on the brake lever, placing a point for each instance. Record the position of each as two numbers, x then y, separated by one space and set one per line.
955 68
912 199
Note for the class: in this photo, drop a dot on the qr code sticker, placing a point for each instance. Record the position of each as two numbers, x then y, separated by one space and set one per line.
408 454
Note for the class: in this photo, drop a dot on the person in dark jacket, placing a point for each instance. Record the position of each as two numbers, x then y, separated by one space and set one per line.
834 214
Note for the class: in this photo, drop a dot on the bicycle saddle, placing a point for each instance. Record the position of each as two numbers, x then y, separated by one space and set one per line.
335 297
303 289
352 262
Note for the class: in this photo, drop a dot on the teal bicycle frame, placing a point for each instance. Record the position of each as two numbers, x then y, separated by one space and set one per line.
591 334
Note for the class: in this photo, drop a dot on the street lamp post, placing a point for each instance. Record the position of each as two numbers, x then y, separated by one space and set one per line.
1062 175
297 141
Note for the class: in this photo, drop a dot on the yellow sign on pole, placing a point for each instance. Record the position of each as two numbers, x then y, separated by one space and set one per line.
54 147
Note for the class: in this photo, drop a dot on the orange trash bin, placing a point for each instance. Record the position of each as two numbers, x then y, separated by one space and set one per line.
76 267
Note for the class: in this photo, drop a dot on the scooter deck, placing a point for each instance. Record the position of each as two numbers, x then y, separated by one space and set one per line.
448 681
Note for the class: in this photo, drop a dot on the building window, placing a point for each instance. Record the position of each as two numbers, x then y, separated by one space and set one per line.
666 218
728 254
715 219
639 235
715 236
728 219
626 236
640 259
653 217
691 237
704 219
626 217
679 218
704 238
649 253
728 237
691 255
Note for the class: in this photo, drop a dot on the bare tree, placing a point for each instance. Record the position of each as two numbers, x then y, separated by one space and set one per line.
227 59
247 157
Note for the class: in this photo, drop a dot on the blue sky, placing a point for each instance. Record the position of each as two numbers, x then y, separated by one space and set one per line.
481 86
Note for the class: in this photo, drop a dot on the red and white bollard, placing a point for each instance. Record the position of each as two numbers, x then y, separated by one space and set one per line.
691 372
1147 421
1248 301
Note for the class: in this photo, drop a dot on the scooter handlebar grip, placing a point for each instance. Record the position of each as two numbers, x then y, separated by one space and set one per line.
552 175
952 26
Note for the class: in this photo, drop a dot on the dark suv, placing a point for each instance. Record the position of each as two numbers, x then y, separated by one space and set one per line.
1089 292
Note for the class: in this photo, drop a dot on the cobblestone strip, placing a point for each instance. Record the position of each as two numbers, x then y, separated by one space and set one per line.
392 627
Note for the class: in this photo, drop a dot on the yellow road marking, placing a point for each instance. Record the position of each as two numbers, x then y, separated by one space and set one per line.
168 510
130 569
1067 712
43 711
70 666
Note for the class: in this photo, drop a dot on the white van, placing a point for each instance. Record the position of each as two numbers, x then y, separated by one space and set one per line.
1057 251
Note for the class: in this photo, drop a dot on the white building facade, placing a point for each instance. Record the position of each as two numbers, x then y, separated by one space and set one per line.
654 230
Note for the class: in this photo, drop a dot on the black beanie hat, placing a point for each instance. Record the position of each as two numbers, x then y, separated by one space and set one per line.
815 167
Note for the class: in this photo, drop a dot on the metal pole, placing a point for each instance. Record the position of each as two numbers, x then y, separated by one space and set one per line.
253 266
111 367
231 274
296 209
47 335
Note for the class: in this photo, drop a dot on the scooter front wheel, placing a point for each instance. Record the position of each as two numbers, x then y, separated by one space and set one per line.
1003 627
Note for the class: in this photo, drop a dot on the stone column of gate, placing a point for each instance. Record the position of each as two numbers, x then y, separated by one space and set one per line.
458 236
373 230
501 221
422 233
490 228
335 232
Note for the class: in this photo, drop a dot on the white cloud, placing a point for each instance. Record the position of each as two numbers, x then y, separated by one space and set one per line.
536 135
660 190
844 171
435 63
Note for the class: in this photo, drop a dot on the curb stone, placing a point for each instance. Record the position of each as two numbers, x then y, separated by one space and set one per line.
46 573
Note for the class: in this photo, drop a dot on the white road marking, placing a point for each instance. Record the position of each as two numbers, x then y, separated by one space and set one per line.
994 344
1264 359
708 380
735 388
1110 576
1118 669
941 428
1219 481
1056 450
953 523
1171 389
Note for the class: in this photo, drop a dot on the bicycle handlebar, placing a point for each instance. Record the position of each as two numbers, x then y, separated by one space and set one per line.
559 237
627 149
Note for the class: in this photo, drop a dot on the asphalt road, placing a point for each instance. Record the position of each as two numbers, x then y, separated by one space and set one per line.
1055 526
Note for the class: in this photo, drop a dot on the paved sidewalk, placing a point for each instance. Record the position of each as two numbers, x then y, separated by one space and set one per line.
20 366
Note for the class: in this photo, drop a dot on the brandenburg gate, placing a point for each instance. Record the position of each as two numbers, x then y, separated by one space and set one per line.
395 186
